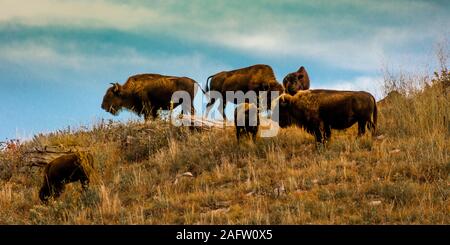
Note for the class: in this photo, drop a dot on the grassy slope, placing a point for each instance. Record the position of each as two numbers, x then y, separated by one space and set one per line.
401 178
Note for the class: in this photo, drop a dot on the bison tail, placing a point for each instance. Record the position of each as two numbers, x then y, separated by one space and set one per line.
375 117
207 84
198 84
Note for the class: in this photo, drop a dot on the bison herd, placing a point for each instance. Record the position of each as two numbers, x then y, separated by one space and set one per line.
317 111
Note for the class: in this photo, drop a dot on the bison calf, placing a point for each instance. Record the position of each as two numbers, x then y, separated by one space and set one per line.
246 120
65 169
319 111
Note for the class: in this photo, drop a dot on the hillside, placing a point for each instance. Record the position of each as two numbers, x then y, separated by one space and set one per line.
153 173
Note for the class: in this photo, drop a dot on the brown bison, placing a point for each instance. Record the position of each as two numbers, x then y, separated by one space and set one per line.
319 111
144 94
246 120
63 170
253 78
295 81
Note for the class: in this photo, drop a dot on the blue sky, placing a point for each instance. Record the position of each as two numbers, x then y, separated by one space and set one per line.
57 58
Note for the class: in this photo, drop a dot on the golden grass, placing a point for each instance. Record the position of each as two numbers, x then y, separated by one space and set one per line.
141 169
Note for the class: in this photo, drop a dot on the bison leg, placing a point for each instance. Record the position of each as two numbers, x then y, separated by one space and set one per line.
150 112
154 113
371 127
327 134
361 128
148 115
222 106
238 134
318 135
192 112
192 107
254 136
57 189
209 106
84 183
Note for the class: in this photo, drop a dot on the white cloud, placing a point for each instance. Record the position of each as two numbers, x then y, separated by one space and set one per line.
355 52
347 41
84 13
342 54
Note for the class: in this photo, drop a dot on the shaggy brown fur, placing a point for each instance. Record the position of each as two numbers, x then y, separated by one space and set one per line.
246 114
319 111
295 81
63 170
253 78
144 94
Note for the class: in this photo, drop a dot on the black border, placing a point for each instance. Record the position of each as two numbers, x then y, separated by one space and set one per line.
145 234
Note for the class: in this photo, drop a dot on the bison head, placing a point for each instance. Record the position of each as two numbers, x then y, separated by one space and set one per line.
284 103
269 88
44 193
296 81
112 101
275 87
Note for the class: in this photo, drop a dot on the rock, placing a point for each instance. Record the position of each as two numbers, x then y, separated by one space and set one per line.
375 203
279 190
395 151
250 193
380 137
186 174
300 191
223 204
220 211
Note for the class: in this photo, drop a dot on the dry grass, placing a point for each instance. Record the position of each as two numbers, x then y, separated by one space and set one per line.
402 177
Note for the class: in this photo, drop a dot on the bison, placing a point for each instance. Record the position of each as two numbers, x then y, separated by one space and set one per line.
62 170
144 94
253 78
246 120
319 111
295 81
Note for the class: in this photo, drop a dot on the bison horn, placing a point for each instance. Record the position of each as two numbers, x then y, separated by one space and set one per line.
276 100
116 87
281 95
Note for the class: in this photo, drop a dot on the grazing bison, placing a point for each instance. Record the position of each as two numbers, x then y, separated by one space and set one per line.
295 81
144 94
65 169
253 78
246 120
319 111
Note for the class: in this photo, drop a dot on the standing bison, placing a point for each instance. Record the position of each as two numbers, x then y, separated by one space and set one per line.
144 94
63 170
295 81
319 111
246 120
253 78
